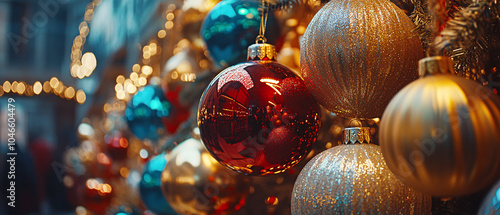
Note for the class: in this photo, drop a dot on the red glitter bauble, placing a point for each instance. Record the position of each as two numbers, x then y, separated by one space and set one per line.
258 118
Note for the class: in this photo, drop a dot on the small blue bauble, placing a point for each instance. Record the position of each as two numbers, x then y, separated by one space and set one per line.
144 112
491 204
231 26
150 186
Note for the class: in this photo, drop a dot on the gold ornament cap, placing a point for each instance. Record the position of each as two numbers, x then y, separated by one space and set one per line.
435 65
356 135
262 51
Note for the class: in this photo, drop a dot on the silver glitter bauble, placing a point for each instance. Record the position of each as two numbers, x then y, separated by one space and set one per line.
193 182
357 54
354 179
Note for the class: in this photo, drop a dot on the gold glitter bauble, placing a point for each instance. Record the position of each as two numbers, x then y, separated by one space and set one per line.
441 133
354 179
193 182
357 54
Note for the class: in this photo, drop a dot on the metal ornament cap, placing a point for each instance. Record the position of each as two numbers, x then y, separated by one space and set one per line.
262 51
435 65
356 135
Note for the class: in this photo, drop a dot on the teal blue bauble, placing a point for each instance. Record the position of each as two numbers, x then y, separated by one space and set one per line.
231 26
145 111
491 204
150 186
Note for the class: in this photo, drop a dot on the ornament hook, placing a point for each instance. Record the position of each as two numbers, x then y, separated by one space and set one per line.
261 39
263 22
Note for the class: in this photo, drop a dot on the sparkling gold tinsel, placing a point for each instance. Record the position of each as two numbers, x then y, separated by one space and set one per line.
354 179
356 55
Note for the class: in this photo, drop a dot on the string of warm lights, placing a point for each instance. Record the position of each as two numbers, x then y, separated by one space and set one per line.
54 86
82 65
126 87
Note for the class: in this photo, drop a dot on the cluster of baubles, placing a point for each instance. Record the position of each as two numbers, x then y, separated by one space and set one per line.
357 54
439 135
348 62
353 178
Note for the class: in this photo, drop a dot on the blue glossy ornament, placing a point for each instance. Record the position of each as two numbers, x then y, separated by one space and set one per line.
231 26
491 204
150 186
145 111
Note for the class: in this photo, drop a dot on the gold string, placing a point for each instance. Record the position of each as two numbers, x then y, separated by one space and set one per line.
263 23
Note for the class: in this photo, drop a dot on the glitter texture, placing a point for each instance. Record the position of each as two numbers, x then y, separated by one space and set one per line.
357 54
440 134
354 179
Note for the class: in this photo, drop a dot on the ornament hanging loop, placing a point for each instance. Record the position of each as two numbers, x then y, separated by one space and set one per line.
264 12
260 39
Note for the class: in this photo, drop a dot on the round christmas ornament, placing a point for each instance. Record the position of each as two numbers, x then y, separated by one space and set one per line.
178 84
440 134
116 146
353 179
191 17
357 54
257 117
150 186
183 83
145 111
491 204
194 183
231 26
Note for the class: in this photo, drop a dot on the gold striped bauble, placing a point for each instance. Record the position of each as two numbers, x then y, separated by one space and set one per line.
441 133
357 54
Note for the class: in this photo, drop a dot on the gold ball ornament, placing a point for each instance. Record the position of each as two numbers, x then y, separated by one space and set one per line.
357 54
354 179
191 17
183 80
441 133
195 183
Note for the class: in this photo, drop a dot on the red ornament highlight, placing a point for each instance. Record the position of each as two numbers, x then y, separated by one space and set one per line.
258 118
